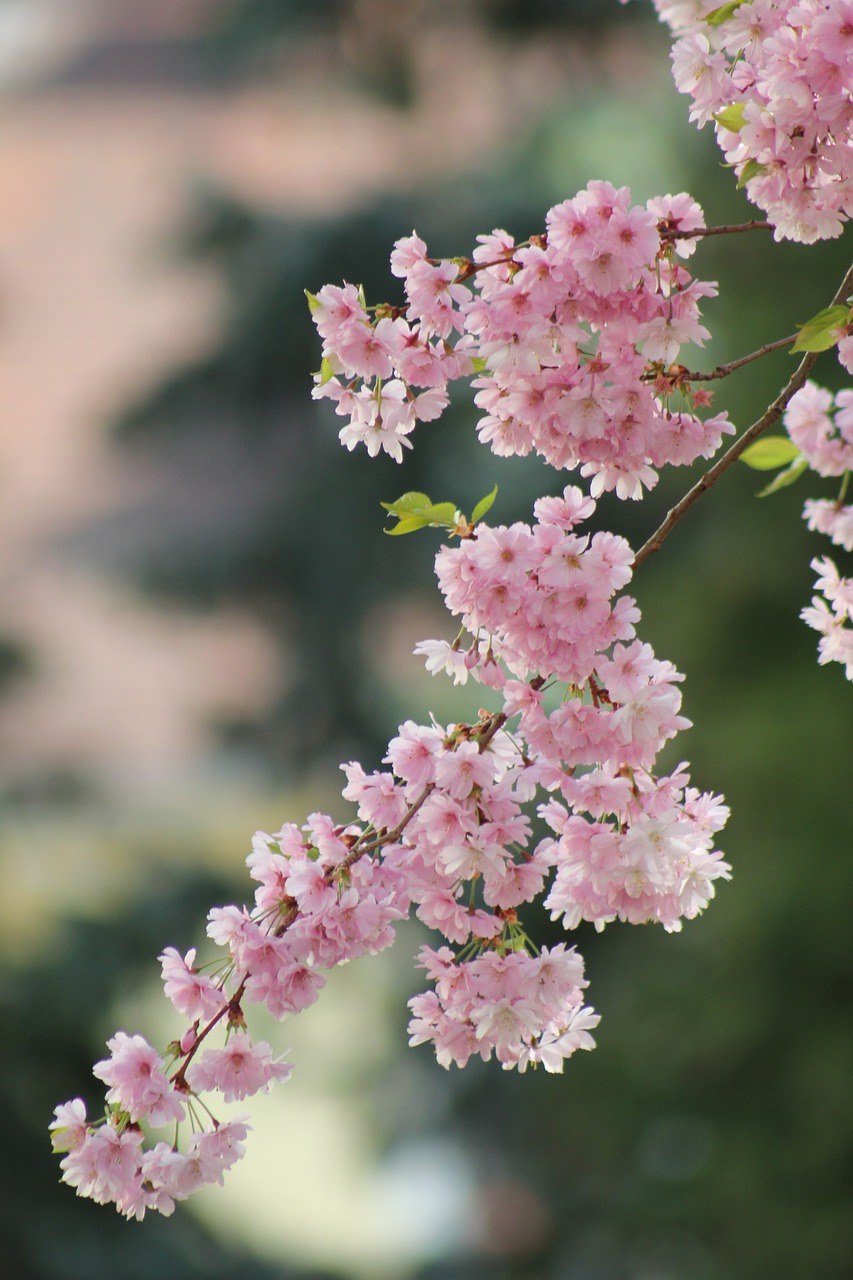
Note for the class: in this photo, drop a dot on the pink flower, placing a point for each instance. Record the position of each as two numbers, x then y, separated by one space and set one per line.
238 1070
408 251
105 1166
69 1130
845 352
137 1082
433 296
191 992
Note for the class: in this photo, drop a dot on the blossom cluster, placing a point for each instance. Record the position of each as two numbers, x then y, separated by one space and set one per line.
624 844
821 426
555 794
831 614
776 78
447 828
571 334
643 850
317 905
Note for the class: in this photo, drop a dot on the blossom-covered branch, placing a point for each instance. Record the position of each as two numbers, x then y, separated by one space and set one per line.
571 339
769 418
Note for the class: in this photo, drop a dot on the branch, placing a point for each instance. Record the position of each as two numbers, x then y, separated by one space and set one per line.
723 370
388 837
728 229
491 725
179 1078
770 416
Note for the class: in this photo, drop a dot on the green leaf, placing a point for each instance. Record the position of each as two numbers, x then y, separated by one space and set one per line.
417 510
483 505
327 371
818 334
313 301
410 504
443 513
479 365
407 524
732 117
717 17
784 478
770 452
752 169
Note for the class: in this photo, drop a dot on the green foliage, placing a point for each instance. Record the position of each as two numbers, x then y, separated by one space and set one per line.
770 452
484 505
417 511
717 17
752 169
820 333
732 117
785 478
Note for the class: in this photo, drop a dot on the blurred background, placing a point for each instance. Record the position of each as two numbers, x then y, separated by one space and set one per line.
200 617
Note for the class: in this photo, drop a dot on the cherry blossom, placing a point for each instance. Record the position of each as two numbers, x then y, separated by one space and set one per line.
572 341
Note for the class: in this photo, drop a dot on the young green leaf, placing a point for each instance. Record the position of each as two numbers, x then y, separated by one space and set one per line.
718 16
313 301
478 364
442 513
732 117
752 169
818 334
417 511
483 505
407 524
327 371
410 504
770 452
784 478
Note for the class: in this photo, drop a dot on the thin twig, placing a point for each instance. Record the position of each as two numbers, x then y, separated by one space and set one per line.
770 416
388 837
471 267
490 728
179 1079
728 229
723 370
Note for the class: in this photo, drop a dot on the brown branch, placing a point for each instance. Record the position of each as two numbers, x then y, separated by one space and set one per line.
770 416
179 1078
728 229
388 837
723 370
490 728
496 722
471 268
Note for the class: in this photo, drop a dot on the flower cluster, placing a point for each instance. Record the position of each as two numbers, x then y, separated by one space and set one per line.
318 904
831 613
526 1008
449 829
546 597
776 77
629 845
572 333
822 429
109 1164
572 339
